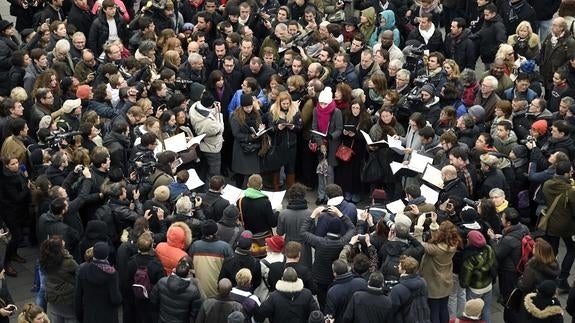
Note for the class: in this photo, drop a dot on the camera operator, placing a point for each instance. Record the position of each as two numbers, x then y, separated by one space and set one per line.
428 103
560 140
188 210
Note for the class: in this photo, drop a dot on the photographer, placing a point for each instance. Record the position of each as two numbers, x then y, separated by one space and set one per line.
188 210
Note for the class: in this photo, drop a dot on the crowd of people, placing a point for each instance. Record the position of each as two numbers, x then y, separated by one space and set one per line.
122 122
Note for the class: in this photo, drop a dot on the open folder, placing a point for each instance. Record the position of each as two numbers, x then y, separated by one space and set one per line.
417 163
233 194
194 181
432 175
179 143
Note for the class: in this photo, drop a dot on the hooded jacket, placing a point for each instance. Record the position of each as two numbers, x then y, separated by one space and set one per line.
476 268
505 146
508 248
461 49
206 123
348 76
412 289
368 28
539 309
341 292
179 238
389 17
97 296
561 223
256 211
370 305
60 283
535 273
49 225
290 303
491 34
179 299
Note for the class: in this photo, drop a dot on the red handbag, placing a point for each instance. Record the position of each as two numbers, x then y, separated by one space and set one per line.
344 152
312 145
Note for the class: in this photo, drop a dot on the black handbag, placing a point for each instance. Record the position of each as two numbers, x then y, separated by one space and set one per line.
274 159
249 147
372 171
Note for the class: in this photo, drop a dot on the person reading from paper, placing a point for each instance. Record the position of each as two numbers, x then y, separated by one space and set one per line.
415 199
411 142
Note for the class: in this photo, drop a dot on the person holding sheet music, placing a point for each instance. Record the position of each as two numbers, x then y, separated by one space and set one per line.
285 122
354 119
412 142
247 144
151 125
327 128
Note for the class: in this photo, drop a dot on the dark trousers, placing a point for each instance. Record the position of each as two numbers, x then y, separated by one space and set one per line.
322 295
439 310
15 228
569 257
507 282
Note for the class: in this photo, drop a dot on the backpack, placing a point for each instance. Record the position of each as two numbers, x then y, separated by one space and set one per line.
142 285
527 244
275 272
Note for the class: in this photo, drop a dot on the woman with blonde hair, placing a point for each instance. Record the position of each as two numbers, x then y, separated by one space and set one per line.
172 60
512 60
285 122
152 125
437 263
525 42
173 43
32 313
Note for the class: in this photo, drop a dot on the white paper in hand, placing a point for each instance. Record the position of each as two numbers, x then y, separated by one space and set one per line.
176 143
194 181
276 198
232 193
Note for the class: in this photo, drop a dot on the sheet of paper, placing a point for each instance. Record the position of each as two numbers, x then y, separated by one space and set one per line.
394 143
418 162
318 133
396 207
232 193
369 141
176 143
395 167
432 175
276 198
196 140
194 181
431 195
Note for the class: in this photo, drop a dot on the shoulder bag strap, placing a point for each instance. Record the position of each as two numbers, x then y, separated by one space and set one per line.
241 212
553 205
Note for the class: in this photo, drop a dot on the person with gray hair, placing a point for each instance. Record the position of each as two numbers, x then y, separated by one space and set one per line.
193 69
61 60
188 211
564 105
549 57
486 96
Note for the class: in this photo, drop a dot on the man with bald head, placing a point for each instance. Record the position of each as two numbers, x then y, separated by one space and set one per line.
316 71
453 187
386 42
555 50
218 308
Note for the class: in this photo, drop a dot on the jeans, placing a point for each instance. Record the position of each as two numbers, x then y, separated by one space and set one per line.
544 26
439 310
61 313
569 257
456 299
486 297
41 294
323 181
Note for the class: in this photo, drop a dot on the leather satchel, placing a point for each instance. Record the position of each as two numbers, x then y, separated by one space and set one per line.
344 152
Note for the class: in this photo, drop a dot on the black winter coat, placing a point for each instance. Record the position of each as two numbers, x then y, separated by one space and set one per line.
508 248
97 296
240 260
7 47
491 34
178 299
461 49
99 32
258 215
340 293
290 303
535 273
453 188
81 19
14 196
411 288
371 305
435 43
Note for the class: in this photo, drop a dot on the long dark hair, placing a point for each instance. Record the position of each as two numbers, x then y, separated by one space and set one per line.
52 254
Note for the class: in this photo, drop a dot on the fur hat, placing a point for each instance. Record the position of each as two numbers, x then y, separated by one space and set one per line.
70 105
210 227
246 100
476 239
162 193
540 126
245 240
83 92
325 96
101 250
429 88
275 243
473 308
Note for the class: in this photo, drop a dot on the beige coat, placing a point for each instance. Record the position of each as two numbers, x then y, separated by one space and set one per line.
436 266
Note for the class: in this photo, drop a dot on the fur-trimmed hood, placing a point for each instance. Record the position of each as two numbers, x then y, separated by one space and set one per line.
532 42
179 235
289 287
548 311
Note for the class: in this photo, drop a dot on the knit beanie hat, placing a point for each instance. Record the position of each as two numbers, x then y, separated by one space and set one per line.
246 100
540 126
520 151
196 91
83 92
476 239
316 317
547 288
245 240
231 212
429 88
207 100
325 96
101 250
210 227
275 243
473 308
468 215
162 193
477 111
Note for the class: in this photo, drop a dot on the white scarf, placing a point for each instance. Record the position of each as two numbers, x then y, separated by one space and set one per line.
426 34
555 39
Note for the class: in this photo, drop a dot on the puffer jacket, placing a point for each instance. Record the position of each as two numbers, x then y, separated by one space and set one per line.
508 248
206 123
290 303
179 238
179 299
476 270
412 289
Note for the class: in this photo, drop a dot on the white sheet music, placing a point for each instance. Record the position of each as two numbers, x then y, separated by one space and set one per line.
369 141
432 175
196 140
276 198
194 181
232 193
431 195
418 162
176 143
396 207
395 143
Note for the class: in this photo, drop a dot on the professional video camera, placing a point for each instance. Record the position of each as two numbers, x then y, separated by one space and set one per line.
60 139
414 96
414 57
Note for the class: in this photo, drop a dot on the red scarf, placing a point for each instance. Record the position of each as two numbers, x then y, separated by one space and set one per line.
323 116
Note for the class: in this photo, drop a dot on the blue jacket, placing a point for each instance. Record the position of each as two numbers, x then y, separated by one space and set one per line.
508 94
235 101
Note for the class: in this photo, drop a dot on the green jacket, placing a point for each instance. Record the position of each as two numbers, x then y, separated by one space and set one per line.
476 269
60 283
561 222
